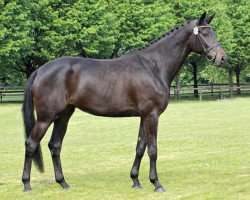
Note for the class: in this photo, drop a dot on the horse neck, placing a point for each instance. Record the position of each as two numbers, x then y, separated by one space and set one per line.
169 53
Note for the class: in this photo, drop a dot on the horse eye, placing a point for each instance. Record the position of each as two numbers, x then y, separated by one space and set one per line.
205 33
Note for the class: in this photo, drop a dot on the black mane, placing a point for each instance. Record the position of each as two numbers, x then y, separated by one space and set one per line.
159 38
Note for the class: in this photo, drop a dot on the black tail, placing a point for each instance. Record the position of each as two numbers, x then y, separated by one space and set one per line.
29 120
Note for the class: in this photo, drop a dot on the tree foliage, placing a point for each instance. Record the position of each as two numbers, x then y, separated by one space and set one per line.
240 19
33 32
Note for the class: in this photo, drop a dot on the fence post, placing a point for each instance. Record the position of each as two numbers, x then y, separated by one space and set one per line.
177 94
178 86
212 89
220 94
231 85
200 94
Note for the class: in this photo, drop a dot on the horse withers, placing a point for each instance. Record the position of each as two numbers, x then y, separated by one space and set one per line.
136 84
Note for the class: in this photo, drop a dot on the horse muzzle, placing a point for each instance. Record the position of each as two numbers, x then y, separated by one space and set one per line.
218 56
221 59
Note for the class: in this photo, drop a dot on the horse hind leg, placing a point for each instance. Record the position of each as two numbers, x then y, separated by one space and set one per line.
55 144
31 145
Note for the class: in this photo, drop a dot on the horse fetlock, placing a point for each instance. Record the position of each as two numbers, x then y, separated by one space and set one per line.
25 179
59 178
136 181
26 183
62 182
153 179
134 173
64 185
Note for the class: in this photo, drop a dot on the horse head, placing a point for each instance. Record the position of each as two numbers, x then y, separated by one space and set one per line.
203 41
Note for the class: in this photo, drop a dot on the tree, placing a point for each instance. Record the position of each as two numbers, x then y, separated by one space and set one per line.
239 56
26 44
34 32
141 22
44 30
88 29
14 29
194 65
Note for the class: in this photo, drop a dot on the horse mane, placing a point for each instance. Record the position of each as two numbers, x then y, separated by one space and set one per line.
159 38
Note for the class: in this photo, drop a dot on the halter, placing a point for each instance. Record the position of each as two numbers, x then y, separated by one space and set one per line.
205 47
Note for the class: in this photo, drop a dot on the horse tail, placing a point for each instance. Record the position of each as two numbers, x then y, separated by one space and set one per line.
29 120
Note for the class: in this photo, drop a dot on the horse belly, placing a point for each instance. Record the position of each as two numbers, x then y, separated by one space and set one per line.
112 103
100 107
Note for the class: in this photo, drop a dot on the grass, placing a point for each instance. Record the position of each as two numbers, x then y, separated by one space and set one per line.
204 153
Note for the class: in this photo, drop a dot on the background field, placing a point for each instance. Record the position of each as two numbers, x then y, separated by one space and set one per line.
203 154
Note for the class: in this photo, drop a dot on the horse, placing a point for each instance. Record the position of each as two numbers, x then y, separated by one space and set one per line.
136 84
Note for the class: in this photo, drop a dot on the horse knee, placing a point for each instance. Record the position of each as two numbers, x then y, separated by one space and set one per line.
55 149
152 152
140 151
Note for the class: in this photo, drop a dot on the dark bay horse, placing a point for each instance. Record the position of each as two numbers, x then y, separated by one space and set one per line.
136 84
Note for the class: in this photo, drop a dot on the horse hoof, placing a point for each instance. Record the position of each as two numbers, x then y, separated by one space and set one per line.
27 187
160 189
137 186
64 185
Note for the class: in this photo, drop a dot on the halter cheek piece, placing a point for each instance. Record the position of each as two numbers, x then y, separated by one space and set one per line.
205 47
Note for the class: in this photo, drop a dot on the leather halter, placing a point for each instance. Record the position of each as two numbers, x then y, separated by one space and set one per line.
205 47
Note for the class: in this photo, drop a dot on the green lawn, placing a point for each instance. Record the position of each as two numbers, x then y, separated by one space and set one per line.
204 153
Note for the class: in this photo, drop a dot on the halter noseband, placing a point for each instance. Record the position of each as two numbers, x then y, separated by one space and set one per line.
205 47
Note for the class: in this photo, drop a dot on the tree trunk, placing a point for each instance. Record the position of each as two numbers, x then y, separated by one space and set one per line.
195 69
29 70
29 65
230 76
238 81
178 87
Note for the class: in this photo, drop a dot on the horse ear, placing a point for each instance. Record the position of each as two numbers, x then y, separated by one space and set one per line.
209 19
202 18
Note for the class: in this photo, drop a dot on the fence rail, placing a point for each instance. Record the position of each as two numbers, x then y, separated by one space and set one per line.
216 91
11 94
8 94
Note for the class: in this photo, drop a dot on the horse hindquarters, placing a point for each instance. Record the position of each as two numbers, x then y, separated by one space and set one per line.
38 94
32 147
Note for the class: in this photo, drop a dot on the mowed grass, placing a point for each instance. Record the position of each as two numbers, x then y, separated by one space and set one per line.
203 153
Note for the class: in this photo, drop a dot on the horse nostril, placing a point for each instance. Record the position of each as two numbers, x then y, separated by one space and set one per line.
224 60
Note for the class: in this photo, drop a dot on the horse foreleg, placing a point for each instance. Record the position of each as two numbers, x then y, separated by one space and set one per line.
150 124
140 149
55 144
